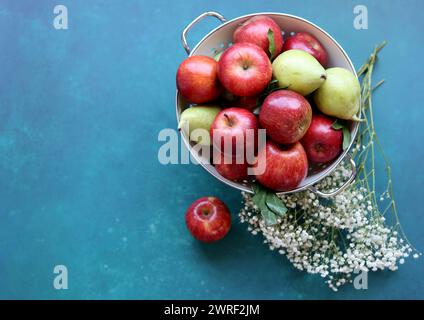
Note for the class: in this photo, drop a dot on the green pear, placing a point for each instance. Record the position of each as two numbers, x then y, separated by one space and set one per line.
198 117
340 95
299 71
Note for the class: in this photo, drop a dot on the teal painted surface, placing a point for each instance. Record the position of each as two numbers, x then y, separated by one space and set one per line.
80 112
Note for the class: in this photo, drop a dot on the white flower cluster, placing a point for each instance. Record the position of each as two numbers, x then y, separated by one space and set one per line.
333 238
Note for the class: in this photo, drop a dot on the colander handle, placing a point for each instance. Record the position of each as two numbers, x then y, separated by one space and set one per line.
191 24
342 187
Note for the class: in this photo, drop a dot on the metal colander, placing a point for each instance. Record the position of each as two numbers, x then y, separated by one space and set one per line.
220 38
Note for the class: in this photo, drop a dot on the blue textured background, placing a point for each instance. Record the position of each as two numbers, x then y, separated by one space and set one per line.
80 183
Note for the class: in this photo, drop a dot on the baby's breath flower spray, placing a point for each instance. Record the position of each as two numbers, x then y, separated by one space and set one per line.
353 231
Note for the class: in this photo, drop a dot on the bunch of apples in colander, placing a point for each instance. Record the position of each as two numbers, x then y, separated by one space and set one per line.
263 81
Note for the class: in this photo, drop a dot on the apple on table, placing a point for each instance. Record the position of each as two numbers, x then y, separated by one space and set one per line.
208 219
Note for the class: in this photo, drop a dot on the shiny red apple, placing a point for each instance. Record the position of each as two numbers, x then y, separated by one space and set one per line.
285 166
322 143
234 131
286 116
255 30
244 69
307 42
197 79
231 169
208 219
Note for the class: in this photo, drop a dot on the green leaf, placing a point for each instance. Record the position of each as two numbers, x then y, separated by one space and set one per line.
275 204
337 125
269 204
346 138
269 216
271 42
259 196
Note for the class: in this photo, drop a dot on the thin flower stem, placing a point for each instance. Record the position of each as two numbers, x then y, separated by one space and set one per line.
366 71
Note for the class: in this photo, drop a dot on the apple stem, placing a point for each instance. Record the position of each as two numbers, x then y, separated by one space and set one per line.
230 123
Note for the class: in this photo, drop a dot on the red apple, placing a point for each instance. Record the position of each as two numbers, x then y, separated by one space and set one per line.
230 169
307 42
322 143
285 166
244 69
248 103
235 126
286 115
255 30
197 79
208 219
